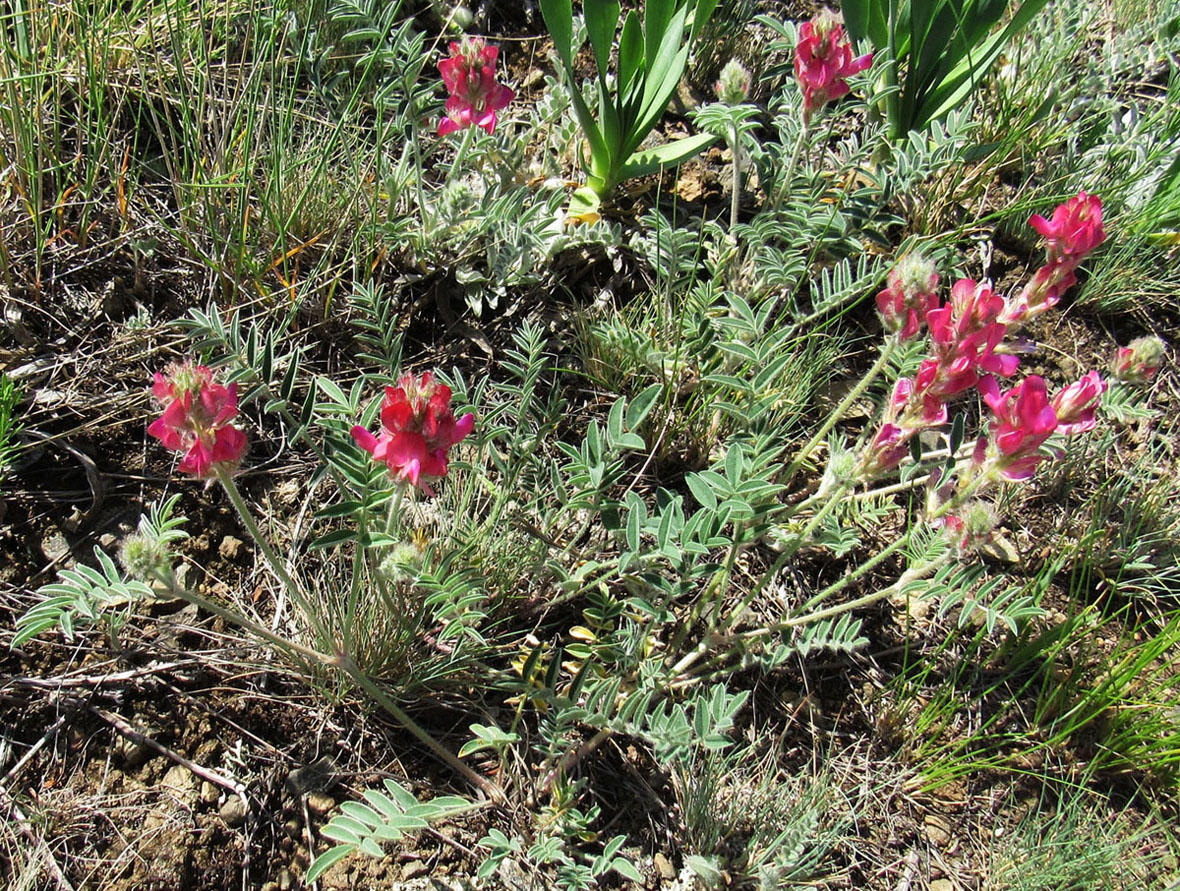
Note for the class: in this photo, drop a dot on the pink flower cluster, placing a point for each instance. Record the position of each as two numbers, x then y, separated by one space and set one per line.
967 348
469 74
1071 233
417 430
824 62
1025 418
196 419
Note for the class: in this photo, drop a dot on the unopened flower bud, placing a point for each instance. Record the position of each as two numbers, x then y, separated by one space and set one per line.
1138 362
733 84
842 469
972 526
916 276
145 558
403 556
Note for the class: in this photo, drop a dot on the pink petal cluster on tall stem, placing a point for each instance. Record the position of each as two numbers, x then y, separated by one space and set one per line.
469 74
1025 418
196 419
1070 234
965 334
824 62
417 430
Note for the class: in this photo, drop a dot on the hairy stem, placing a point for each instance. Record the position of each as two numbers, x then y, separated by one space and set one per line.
838 412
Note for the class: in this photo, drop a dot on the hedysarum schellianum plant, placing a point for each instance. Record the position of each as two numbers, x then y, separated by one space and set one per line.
651 60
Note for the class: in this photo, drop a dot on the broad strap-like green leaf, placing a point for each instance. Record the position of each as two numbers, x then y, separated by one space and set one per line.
961 81
867 18
701 13
630 55
558 15
655 100
669 154
559 20
664 62
602 18
656 16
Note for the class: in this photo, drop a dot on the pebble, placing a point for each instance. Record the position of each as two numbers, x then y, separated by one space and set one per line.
209 792
181 782
937 831
320 803
233 812
664 867
230 547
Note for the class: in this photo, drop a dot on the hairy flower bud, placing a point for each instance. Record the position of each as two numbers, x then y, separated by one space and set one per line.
145 558
916 275
1138 362
733 84
910 293
972 526
403 556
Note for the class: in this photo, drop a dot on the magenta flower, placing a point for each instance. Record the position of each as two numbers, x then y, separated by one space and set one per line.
196 419
1075 228
1024 420
1076 404
891 443
417 431
469 74
965 334
824 62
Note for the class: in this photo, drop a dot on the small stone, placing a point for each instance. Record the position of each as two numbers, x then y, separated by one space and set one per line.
319 803
413 870
55 547
133 754
230 547
664 867
233 812
292 828
942 885
209 793
937 831
181 782
285 879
